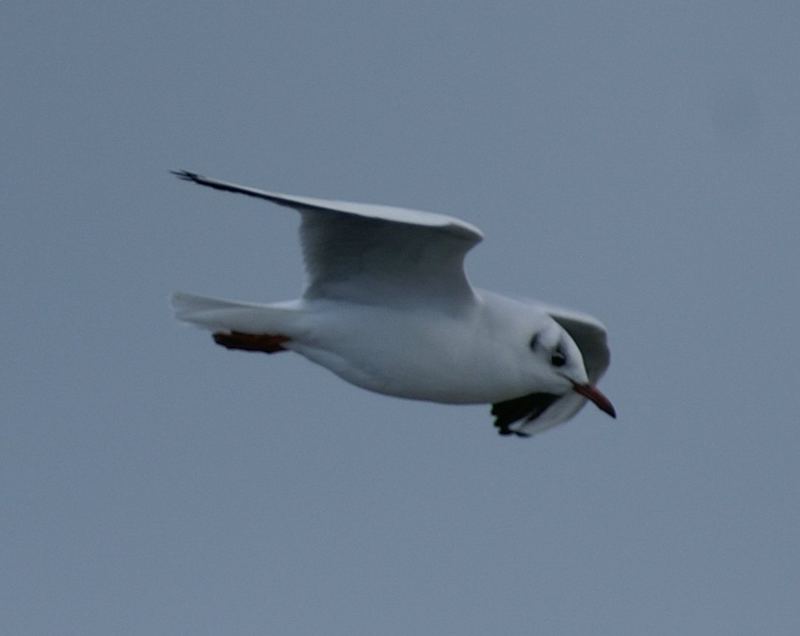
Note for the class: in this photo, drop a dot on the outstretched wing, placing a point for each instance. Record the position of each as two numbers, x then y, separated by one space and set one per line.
374 253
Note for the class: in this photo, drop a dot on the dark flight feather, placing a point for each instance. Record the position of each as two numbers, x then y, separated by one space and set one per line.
528 407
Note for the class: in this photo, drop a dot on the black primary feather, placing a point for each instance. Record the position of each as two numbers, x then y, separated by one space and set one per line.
528 407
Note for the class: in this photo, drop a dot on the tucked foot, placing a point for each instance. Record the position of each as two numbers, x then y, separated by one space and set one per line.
268 343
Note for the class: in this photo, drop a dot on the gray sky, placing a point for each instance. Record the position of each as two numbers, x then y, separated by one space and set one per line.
638 161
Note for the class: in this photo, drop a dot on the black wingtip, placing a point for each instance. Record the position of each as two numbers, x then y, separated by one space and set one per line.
186 175
506 432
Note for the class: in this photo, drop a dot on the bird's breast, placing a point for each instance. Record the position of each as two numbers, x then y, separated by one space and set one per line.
421 354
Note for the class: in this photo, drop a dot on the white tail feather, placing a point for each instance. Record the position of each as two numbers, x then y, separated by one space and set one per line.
216 314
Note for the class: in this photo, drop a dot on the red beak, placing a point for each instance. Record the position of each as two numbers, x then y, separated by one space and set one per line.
593 394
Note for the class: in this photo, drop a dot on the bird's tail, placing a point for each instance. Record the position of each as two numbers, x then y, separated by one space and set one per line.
220 315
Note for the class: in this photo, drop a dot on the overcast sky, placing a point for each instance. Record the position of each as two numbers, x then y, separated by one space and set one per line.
637 161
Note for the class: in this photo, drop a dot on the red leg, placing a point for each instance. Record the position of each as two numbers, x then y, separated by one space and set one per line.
268 343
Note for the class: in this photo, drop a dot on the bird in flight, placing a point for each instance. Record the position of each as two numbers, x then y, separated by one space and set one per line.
387 307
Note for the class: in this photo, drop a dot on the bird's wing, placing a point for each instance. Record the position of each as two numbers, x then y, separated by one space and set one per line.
590 336
374 253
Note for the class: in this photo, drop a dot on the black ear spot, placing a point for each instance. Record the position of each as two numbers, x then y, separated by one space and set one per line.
534 341
559 358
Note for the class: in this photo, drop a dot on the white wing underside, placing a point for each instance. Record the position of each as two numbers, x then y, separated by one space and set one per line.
375 254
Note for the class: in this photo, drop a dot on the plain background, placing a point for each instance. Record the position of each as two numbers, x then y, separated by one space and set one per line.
635 160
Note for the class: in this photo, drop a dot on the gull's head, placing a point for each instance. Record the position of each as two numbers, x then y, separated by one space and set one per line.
559 360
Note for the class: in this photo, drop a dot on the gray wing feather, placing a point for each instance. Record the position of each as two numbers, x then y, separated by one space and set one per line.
374 253
371 259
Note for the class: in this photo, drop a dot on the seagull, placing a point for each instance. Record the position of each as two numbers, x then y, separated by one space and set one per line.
388 307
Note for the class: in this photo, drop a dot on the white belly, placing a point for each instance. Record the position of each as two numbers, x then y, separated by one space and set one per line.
411 354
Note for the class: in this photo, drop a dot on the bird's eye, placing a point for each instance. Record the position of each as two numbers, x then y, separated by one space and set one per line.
534 341
558 359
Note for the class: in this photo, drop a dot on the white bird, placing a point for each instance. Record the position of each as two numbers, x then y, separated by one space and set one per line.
387 307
